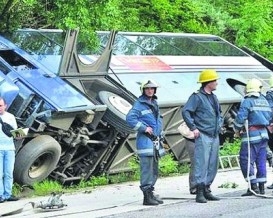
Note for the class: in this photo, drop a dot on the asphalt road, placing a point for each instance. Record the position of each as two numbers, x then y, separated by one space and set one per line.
230 206
125 200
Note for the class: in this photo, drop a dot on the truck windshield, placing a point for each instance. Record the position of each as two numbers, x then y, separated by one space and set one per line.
46 46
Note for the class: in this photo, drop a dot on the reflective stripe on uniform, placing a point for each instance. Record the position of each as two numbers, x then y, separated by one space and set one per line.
252 138
145 151
266 108
146 112
137 126
251 178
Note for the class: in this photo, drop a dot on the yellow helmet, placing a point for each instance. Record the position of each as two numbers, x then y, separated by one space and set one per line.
271 81
253 85
207 76
148 84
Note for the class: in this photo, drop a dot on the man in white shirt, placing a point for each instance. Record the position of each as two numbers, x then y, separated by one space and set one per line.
7 155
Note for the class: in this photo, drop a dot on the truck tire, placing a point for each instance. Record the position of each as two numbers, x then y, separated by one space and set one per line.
117 109
36 160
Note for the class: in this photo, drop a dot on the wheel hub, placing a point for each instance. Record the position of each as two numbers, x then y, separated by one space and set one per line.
120 104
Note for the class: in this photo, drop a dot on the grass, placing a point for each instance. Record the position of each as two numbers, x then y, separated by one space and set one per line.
230 148
228 185
47 187
168 166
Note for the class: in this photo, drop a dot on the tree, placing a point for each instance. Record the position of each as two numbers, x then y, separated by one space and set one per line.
243 22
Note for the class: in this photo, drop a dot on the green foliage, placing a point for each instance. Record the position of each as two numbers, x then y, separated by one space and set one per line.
228 185
134 168
93 181
252 25
167 165
123 177
16 189
229 152
46 187
184 168
230 148
134 163
243 22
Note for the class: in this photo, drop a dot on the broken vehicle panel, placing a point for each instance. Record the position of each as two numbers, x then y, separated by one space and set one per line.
75 102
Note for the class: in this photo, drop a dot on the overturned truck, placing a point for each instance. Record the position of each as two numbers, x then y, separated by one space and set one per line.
75 101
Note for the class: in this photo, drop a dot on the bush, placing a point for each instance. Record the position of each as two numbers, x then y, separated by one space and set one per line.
184 168
47 187
230 148
93 181
167 165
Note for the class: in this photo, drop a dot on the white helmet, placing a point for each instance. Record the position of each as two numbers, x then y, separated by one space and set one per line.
253 85
148 84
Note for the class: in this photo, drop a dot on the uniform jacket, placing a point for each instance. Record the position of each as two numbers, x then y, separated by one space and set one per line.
199 113
142 115
254 108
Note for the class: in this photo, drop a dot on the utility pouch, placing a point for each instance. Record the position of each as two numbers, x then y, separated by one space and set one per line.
6 128
156 149
156 143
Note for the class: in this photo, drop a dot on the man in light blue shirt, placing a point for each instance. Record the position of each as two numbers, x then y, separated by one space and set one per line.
7 155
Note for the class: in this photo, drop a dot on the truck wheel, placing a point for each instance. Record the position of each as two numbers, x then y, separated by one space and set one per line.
117 110
36 160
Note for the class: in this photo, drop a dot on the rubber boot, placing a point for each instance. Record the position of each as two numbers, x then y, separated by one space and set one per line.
261 188
209 196
149 198
254 188
157 198
200 194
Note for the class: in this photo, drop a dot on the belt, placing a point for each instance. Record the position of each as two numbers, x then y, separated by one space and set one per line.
252 128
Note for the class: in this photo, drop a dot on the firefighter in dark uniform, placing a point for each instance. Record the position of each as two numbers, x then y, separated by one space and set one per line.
254 110
145 118
202 114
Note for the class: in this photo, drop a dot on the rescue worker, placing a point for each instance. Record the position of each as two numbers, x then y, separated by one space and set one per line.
202 115
254 108
145 118
269 98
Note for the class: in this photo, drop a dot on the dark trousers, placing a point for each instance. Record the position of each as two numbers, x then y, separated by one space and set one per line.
206 154
148 172
257 157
